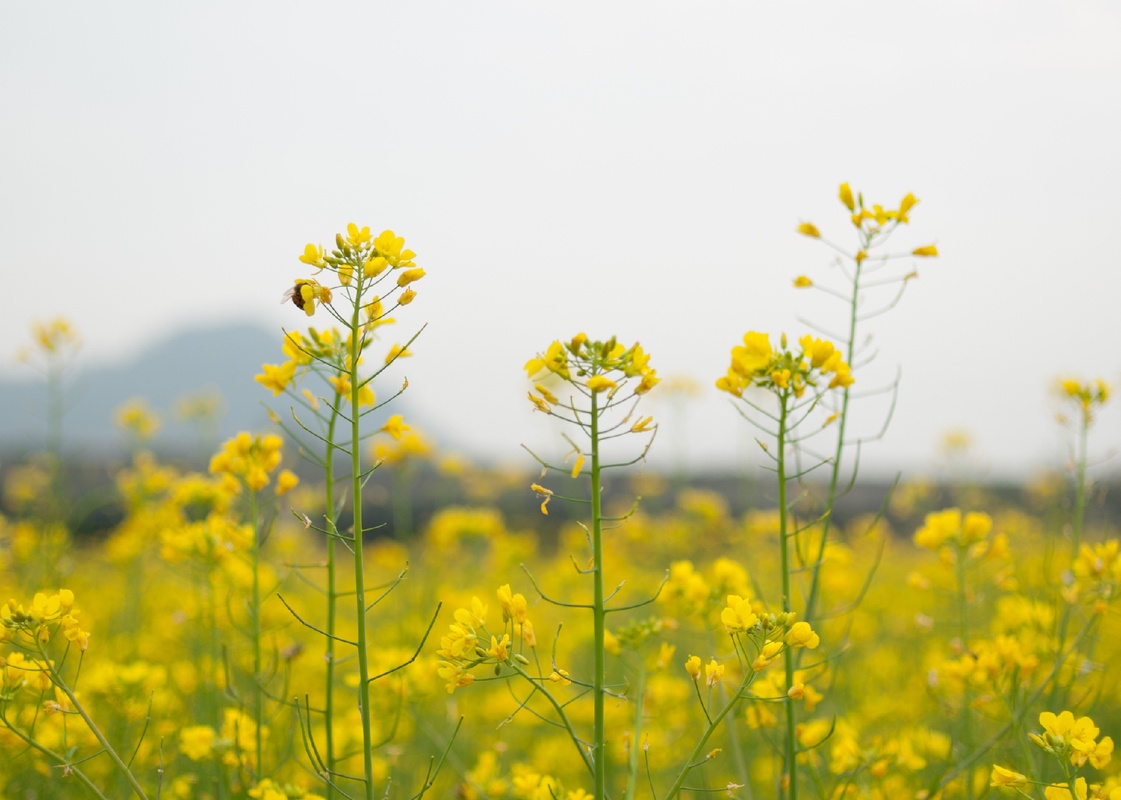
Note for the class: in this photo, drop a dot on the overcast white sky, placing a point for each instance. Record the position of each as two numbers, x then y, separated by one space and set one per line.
634 168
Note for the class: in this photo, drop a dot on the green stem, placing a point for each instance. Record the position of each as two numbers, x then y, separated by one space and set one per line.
63 763
599 759
699 747
835 472
784 541
1079 489
636 739
359 568
116 759
255 615
963 635
329 514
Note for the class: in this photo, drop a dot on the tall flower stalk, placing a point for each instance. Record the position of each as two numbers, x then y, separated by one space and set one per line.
862 270
598 373
370 278
796 382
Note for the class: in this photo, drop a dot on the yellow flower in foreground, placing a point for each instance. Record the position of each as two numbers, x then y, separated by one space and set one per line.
1059 791
693 667
714 672
1006 777
845 194
313 255
276 377
598 383
802 635
738 616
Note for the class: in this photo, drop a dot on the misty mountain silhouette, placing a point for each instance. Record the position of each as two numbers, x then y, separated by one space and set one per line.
219 359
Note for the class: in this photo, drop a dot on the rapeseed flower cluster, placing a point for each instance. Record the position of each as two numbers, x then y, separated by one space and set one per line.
250 460
36 625
757 363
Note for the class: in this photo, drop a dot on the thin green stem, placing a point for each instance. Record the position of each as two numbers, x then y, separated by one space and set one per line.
1079 489
835 471
636 738
698 748
255 620
599 759
56 678
332 591
791 790
359 568
963 635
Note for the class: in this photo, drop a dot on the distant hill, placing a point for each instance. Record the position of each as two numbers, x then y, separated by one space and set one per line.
219 360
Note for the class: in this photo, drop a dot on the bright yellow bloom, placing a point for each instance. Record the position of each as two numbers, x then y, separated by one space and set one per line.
738 616
642 425
802 282
754 355
313 255
406 297
693 667
374 266
802 635
561 677
598 383
809 229
391 247
1060 791
905 206
276 377
286 481
928 251
714 672
1006 777
357 237
395 426
499 649
845 194
410 276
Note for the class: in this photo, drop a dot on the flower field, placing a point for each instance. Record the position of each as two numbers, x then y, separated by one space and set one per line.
250 630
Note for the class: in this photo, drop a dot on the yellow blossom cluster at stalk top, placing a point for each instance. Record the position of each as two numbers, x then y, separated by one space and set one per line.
757 363
593 367
39 622
1086 395
359 261
251 459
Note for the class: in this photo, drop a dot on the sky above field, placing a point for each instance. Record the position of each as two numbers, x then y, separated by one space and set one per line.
631 168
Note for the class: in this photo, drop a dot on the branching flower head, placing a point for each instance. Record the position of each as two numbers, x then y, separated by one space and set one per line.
248 459
1086 395
757 363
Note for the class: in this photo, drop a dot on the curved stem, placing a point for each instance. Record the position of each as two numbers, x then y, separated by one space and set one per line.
57 680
